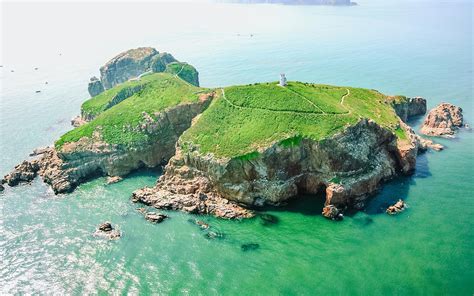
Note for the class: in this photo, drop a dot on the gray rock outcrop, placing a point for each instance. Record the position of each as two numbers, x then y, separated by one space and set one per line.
95 86
126 65
410 107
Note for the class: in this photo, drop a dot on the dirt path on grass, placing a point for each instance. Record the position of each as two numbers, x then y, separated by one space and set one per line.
322 113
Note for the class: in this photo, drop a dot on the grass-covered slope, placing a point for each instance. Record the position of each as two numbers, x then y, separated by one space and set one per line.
184 71
98 104
118 124
244 119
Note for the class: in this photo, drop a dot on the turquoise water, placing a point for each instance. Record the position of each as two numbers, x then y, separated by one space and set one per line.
407 47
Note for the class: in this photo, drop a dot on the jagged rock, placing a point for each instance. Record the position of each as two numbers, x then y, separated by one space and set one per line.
39 151
95 87
106 226
410 107
106 230
126 65
114 179
160 61
426 144
24 172
333 213
398 207
155 217
443 120
78 121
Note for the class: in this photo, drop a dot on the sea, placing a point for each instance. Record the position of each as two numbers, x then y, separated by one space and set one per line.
49 50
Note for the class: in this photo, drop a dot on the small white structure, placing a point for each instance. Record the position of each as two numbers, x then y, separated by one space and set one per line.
282 79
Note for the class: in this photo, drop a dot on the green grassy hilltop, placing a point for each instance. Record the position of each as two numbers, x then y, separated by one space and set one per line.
244 119
118 123
241 119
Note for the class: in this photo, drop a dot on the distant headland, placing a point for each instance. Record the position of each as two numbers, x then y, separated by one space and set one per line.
294 2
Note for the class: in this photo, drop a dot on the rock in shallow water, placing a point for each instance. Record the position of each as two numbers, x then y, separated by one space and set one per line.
113 179
106 230
203 225
24 172
398 207
155 217
333 213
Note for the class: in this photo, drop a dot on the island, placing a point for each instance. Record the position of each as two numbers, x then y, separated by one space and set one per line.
229 150
295 2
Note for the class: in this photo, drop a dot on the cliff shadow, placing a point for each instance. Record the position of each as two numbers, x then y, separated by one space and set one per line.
306 204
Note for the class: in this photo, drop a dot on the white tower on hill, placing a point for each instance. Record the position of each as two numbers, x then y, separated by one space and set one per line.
282 80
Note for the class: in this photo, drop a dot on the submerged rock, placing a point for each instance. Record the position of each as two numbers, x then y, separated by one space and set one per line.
398 207
268 219
249 247
214 235
106 230
203 225
443 120
2 188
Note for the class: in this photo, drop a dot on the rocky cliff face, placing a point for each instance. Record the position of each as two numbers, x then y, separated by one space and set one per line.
95 87
90 157
410 107
443 120
126 65
348 167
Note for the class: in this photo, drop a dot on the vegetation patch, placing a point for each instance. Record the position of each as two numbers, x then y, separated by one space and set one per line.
120 123
184 71
291 142
250 117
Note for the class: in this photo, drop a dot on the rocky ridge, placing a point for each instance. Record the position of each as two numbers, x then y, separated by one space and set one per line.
348 167
126 65
77 162
410 107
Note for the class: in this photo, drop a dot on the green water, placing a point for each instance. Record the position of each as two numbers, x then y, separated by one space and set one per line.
410 47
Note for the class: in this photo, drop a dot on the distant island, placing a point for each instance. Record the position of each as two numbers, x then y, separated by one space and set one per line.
295 2
230 149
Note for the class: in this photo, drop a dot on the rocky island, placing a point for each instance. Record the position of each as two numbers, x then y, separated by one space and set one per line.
228 150
295 2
